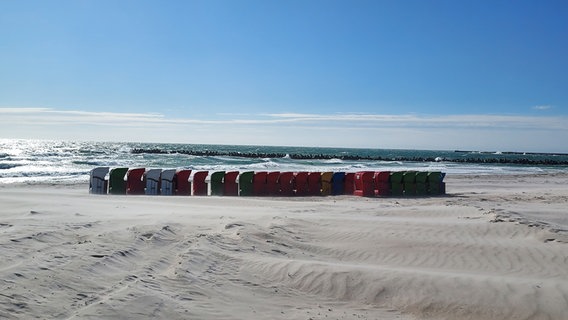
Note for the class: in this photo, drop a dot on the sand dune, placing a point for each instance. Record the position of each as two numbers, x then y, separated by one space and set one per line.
494 248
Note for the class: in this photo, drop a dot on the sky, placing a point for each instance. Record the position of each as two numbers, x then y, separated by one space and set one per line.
485 75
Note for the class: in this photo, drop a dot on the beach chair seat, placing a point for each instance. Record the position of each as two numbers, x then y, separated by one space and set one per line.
245 183
230 185
182 186
300 183
217 179
135 181
338 181
396 186
382 183
314 183
198 184
364 184
272 186
286 183
167 182
259 183
98 182
152 178
326 183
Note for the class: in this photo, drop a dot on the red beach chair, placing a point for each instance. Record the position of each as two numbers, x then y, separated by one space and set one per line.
314 183
301 183
286 183
382 183
272 187
364 184
231 186
199 185
135 183
348 183
259 183
182 186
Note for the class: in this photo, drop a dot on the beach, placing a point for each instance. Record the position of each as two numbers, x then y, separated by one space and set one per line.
494 247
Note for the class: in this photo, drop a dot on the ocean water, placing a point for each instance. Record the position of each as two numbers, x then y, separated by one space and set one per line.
38 161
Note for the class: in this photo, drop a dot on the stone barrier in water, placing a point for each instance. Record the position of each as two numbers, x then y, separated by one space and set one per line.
487 160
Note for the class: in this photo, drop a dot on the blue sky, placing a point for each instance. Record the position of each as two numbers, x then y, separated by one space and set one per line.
488 75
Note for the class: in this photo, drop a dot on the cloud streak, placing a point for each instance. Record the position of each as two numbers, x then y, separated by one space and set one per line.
52 116
475 131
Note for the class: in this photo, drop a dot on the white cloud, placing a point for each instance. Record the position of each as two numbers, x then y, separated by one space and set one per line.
485 132
542 107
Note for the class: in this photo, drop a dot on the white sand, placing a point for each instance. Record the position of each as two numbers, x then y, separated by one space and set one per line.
494 248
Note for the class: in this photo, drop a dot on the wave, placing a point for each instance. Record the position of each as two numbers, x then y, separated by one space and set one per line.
334 161
6 166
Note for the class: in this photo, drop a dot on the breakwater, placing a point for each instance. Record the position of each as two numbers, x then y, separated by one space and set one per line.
520 159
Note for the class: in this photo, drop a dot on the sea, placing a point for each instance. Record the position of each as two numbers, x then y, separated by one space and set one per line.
70 162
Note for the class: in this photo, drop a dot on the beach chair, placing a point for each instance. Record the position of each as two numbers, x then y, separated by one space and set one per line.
272 186
364 184
314 183
217 181
152 178
421 183
349 183
436 184
396 186
382 183
286 183
117 181
338 181
98 183
326 183
167 182
198 184
231 188
300 183
182 186
245 183
409 182
135 181
259 183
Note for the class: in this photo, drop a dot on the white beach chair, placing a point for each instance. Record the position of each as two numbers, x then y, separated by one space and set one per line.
167 182
152 177
98 183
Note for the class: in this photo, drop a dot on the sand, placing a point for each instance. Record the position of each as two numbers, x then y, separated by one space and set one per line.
493 248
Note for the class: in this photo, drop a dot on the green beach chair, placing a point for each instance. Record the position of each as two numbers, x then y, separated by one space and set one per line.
245 183
397 188
422 183
116 182
436 185
409 182
217 180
